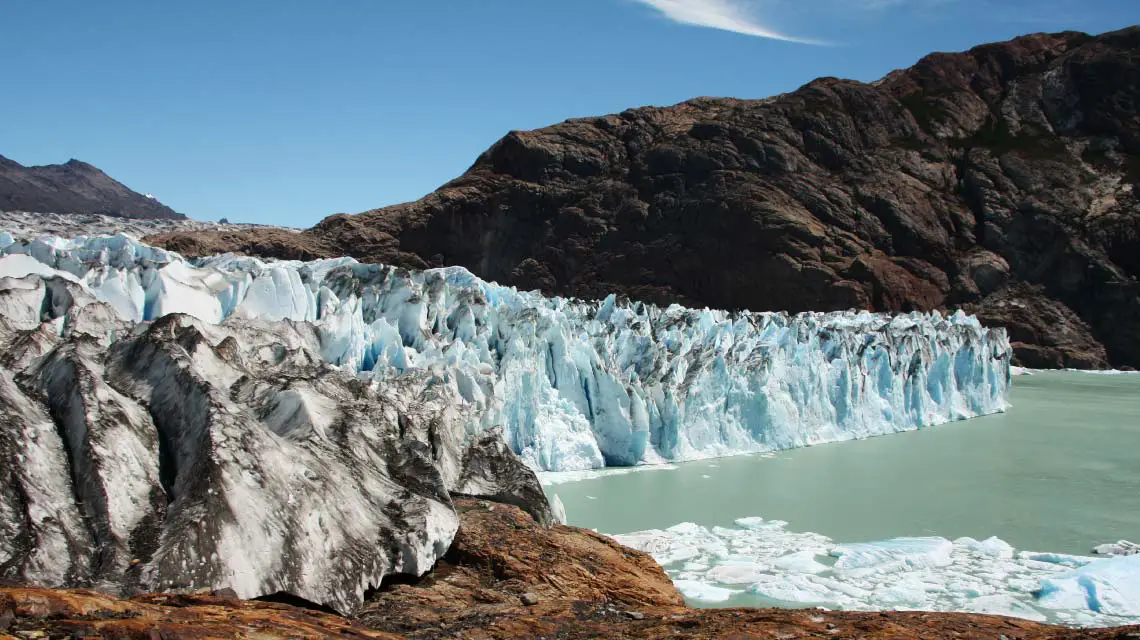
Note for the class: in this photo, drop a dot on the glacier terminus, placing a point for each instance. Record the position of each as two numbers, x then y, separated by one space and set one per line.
573 385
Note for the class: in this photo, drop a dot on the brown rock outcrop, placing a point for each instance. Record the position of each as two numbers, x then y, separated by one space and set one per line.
39 613
498 557
940 186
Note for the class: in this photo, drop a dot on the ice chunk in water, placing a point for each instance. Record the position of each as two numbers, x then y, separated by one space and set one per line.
1005 605
898 554
1110 586
558 509
737 573
799 562
793 588
994 546
1122 548
930 573
750 523
702 591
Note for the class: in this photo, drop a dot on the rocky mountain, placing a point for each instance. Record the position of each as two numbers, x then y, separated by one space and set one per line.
1000 180
73 187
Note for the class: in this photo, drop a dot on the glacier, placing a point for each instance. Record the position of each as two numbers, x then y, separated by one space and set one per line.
573 385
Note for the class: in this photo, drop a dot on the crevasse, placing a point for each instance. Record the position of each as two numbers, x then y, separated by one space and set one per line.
575 385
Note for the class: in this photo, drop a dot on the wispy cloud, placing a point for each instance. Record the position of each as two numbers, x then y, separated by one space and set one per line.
874 5
727 15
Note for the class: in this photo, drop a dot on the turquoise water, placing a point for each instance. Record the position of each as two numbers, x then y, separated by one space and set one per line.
1060 471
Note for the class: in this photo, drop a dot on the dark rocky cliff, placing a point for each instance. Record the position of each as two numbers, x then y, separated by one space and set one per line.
1000 180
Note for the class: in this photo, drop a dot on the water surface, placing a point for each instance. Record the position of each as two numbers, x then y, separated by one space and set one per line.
1060 471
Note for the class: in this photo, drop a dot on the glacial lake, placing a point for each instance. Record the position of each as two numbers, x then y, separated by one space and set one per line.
1059 472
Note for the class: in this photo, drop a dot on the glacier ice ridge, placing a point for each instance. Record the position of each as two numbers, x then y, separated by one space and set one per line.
573 385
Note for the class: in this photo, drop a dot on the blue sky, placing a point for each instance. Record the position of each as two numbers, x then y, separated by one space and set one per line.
285 111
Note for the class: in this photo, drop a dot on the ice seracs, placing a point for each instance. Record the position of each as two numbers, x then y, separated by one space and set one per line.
575 385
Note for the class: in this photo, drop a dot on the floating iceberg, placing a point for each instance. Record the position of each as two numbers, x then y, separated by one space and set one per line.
1121 548
574 385
1110 586
893 556
762 558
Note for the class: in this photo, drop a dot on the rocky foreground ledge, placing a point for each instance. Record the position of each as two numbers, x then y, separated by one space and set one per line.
505 576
